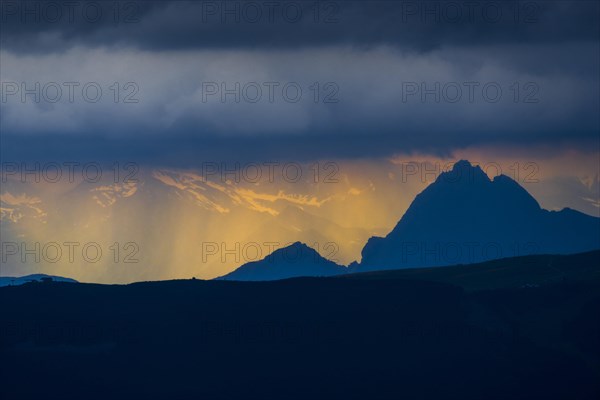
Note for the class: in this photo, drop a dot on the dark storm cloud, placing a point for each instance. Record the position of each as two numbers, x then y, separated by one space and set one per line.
46 26
383 57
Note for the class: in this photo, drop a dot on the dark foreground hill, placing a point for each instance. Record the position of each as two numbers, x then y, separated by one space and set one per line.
507 273
386 337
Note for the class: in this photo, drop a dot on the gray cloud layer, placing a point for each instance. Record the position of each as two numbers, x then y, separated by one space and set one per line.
402 76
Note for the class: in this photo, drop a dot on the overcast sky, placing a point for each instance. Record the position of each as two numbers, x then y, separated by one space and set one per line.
170 83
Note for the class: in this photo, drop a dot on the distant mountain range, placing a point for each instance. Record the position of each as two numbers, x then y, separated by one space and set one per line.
16 281
464 217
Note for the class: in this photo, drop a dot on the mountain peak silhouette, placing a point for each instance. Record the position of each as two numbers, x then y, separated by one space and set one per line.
463 171
294 260
298 251
466 217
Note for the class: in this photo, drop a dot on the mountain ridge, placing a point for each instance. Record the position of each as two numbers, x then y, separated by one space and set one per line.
465 209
